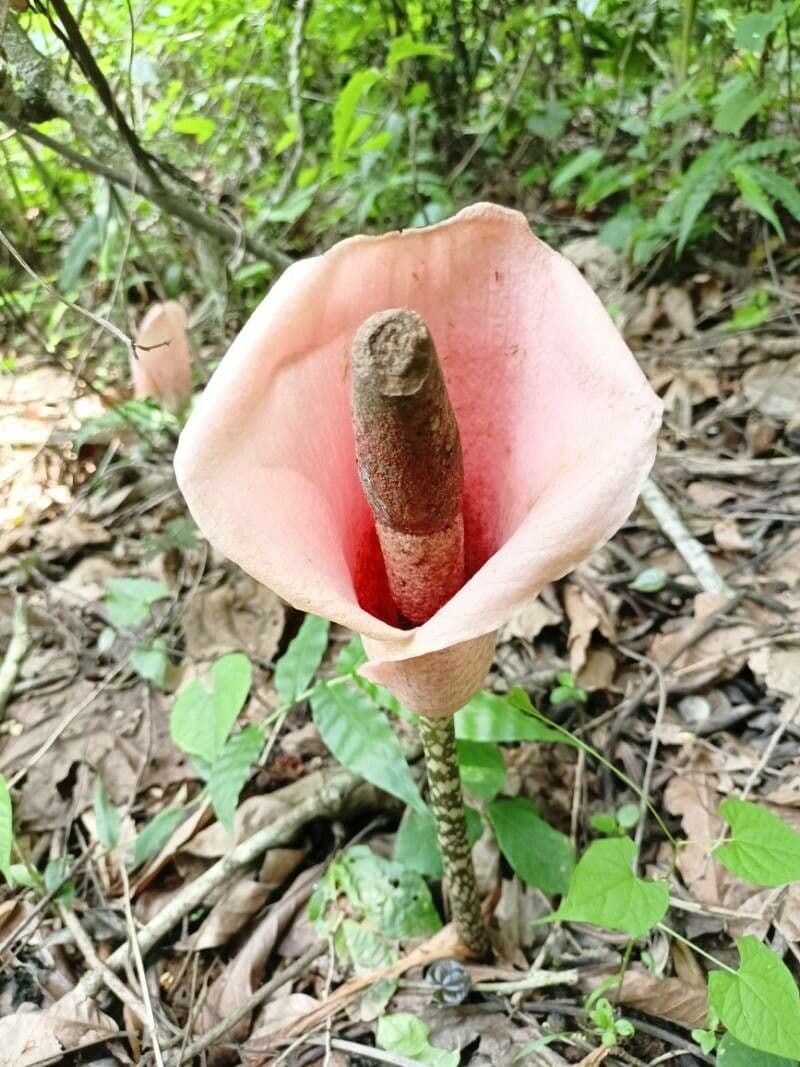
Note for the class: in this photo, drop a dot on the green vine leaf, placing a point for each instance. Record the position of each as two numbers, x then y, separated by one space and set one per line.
762 849
231 769
202 718
489 717
732 1053
760 1003
605 891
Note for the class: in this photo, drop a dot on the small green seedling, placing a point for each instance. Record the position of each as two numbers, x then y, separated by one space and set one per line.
615 824
606 1025
567 690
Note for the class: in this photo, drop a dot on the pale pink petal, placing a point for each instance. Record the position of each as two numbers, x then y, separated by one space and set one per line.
435 684
558 426
163 369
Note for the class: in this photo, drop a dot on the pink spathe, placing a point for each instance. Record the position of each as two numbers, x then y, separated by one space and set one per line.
163 367
558 429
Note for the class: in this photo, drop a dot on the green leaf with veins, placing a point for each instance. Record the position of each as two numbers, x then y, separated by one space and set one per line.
732 1053
407 1036
489 717
128 600
201 717
482 768
359 735
539 854
416 844
605 891
152 838
760 1003
230 771
299 663
761 849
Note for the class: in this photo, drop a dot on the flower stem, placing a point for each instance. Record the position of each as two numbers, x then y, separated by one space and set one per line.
439 744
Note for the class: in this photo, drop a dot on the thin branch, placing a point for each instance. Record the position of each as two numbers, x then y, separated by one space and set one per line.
98 320
76 45
117 987
15 653
325 801
696 557
482 138
301 11
174 205
255 1000
149 1018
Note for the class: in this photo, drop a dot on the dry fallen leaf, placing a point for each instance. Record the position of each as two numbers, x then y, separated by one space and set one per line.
529 621
709 495
514 915
716 655
239 903
677 305
239 615
28 1037
586 614
729 537
667 998
598 671
692 795
273 1017
245 971
773 387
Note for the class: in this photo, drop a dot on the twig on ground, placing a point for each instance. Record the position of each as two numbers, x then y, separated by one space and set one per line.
445 943
42 904
149 1019
115 985
696 557
327 800
651 754
16 652
365 1052
772 744
534 979
621 712
48 743
98 320
255 1000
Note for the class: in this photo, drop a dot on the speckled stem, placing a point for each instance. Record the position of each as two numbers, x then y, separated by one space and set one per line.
439 743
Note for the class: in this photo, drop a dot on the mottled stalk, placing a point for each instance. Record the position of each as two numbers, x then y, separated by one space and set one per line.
439 743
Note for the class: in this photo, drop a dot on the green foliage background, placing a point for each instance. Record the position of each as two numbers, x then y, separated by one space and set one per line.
667 126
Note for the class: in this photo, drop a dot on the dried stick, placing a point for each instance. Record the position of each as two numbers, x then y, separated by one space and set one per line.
115 985
255 1000
15 653
696 557
327 800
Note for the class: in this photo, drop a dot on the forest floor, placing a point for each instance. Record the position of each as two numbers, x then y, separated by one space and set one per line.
704 655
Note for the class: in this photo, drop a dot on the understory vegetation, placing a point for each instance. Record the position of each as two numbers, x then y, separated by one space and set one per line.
215 838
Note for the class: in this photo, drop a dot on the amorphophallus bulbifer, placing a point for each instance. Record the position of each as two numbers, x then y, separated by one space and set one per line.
162 367
557 432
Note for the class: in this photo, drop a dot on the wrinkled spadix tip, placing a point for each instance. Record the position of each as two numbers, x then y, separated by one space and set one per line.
393 352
